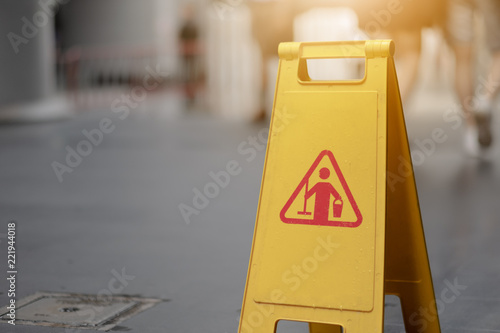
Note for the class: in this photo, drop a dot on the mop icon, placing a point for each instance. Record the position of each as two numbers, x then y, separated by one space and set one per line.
305 212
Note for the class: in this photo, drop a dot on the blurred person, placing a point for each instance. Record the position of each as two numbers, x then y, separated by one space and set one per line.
477 103
189 46
402 21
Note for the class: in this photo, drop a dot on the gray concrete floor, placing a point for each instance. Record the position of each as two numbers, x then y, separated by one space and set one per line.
119 210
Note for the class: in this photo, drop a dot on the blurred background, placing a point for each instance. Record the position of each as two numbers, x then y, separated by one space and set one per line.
114 114
60 57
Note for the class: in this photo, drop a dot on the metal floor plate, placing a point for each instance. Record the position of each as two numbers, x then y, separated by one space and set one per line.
98 312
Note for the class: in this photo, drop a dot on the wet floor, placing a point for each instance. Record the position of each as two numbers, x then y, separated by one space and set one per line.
82 221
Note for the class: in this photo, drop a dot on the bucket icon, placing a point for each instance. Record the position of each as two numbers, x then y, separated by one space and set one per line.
337 207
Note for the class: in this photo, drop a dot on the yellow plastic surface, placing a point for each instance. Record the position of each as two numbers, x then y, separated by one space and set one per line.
330 239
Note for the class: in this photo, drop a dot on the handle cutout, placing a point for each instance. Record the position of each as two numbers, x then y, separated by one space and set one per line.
332 69
289 326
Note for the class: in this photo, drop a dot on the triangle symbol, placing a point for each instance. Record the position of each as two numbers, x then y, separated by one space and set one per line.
322 197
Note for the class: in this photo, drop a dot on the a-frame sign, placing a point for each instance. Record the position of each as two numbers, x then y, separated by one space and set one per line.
338 223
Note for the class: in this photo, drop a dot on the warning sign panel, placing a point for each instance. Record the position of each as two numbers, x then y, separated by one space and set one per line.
329 239
322 197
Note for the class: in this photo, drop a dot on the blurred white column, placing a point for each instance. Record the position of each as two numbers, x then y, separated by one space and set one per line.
27 63
167 31
233 63
321 24
329 24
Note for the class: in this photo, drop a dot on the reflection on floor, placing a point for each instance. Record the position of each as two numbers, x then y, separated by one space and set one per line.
117 208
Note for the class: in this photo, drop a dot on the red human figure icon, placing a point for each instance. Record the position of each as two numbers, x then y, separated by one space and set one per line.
323 191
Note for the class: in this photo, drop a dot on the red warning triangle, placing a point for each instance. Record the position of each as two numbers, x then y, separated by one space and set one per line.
322 197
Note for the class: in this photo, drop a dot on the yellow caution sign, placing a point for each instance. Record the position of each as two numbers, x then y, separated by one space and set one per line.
338 224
